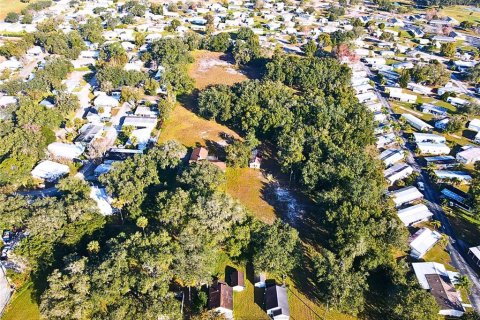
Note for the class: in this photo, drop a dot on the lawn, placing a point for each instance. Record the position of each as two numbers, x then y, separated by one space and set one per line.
189 129
7 6
214 68
461 13
440 255
22 306
248 304
248 186
466 226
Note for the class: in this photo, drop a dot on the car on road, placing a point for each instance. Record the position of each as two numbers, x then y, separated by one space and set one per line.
421 186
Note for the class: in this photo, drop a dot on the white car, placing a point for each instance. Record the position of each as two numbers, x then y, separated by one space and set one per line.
421 186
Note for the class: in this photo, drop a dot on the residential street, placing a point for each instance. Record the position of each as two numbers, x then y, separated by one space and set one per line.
457 249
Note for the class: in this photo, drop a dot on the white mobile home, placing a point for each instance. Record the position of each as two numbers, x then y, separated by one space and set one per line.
397 172
416 123
462 176
422 241
414 214
406 195
389 157
433 148
470 155
428 137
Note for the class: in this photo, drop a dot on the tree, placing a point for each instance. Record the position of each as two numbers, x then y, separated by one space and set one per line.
404 78
93 247
156 8
415 303
238 154
12 17
463 282
324 40
448 49
142 222
474 75
27 19
275 249
219 42
151 86
92 30
310 48
131 94
470 315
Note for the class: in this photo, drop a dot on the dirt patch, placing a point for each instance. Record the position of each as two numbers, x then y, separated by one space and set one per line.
214 68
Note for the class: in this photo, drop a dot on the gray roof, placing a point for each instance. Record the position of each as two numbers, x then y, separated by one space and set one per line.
276 299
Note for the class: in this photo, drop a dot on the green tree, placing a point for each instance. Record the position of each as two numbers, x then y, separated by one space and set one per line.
448 49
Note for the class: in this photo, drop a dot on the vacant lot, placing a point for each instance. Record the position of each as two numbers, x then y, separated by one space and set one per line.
22 305
7 6
248 186
462 13
190 130
214 68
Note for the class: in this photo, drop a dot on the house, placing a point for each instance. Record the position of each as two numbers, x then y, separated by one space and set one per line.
428 137
385 140
406 195
414 214
403 97
88 133
461 176
474 252
457 102
220 299
397 172
391 156
7 100
444 161
456 197
255 160
140 122
65 150
403 65
237 280
470 155
422 241
259 280
367 97
433 148
433 109
199 154
442 124
433 276
416 123
363 88
276 302
49 170
103 200
474 125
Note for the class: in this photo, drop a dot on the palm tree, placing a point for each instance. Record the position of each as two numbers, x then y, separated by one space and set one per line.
436 224
463 282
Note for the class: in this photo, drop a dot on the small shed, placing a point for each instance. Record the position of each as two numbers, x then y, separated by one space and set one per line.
237 280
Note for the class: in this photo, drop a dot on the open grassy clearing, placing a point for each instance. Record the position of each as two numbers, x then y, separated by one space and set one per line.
461 13
466 226
7 6
22 305
214 68
248 186
190 130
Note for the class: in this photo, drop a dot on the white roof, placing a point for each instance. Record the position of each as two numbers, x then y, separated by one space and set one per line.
102 199
423 137
6 100
65 150
470 153
475 251
474 124
443 174
404 195
414 120
49 170
433 148
146 122
414 214
423 240
102 100
423 268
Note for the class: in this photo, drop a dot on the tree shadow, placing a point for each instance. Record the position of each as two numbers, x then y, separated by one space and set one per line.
189 101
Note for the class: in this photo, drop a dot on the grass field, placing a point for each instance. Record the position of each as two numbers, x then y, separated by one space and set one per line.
214 68
247 185
461 13
465 225
7 6
22 306
189 129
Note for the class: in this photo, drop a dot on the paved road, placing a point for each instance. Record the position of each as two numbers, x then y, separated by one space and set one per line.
457 249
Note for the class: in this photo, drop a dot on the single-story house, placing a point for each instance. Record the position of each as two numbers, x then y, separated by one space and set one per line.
428 137
474 125
391 156
49 170
403 97
255 160
462 176
220 299
406 195
433 148
103 200
433 276
433 109
397 172
65 150
422 241
276 303
474 252
199 154
416 122
457 102
385 140
367 97
414 214
444 161
470 155
442 124
456 197
140 122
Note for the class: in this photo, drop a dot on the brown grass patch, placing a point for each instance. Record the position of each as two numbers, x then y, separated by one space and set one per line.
189 129
247 185
214 68
7 6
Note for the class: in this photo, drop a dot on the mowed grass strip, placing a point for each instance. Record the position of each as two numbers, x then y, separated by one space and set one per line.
7 6
22 305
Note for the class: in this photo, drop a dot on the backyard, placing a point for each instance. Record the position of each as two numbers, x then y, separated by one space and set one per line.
7 6
22 305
